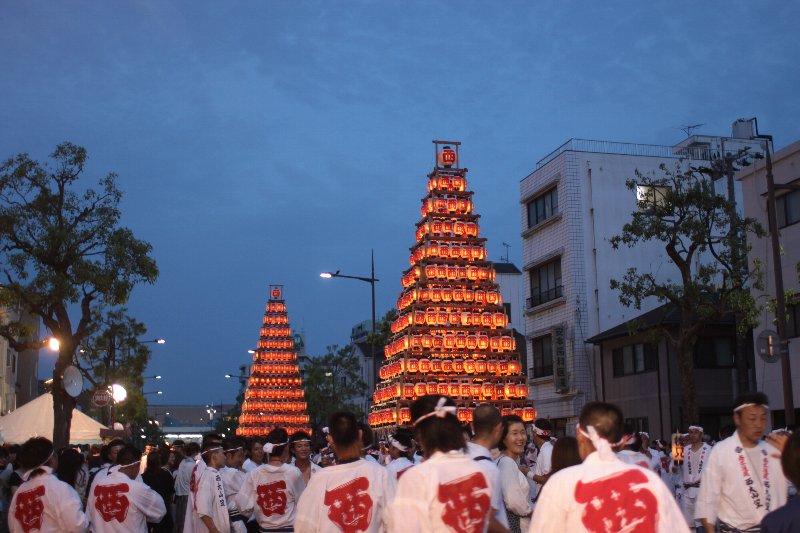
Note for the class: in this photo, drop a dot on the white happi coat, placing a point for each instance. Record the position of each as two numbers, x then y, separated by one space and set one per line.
544 463
398 467
271 492
724 494
487 464
352 496
210 501
232 479
119 504
192 523
448 492
694 462
634 458
606 495
183 476
47 505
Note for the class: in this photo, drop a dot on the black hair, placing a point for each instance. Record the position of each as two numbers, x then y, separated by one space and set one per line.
299 435
606 418
636 442
367 436
404 437
70 461
231 444
466 429
278 436
3 452
191 449
153 461
790 459
508 421
208 445
758 398
128 454
565 454
436 433
543 424
343 428
254 441
726 431
215 438
485 418
35 452
178 442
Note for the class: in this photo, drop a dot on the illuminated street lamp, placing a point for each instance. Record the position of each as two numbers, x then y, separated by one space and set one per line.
118 393
53 344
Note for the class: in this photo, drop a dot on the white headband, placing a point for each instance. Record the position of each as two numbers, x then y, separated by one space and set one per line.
600 444
211 450
736 410
541 432
698 428
300 440
394 442
269 446
440 411
232 449
118 467
326 430
40 465
646 434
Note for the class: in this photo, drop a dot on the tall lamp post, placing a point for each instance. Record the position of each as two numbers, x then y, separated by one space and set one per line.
371 280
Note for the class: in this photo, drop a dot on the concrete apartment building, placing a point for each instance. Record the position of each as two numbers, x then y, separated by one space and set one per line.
571 205
786 171
18 371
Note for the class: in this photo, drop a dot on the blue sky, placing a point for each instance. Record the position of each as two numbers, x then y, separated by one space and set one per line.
264 142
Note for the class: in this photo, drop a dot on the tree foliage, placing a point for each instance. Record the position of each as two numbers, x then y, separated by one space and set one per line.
332 381
63 253
681 210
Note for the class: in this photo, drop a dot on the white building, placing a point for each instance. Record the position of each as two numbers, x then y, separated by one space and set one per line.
572 204
363 352
509 281
18 371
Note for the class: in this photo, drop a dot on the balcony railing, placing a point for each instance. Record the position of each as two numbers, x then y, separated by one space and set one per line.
544 296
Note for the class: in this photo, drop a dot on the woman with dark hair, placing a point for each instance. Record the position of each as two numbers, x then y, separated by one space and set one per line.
448 491
69 470
565 454
161 481
516 489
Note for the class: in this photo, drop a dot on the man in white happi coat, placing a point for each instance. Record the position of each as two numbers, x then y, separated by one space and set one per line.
183 479
487 427
192 522
743 479
540 457
256 458
210 505
118 503
351 495
44 503
400 447
109 455
272 490
695 459
232 479
604 494
300 447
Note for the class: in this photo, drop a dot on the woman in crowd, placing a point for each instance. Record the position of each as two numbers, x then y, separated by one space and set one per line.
160 480
400 449
70 470
653 455
516 489
565 454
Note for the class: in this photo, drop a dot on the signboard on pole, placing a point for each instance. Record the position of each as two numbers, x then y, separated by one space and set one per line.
769 346
101 397
560 360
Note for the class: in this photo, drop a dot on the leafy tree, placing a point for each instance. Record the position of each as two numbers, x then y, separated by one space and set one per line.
63 253
682 211
331 383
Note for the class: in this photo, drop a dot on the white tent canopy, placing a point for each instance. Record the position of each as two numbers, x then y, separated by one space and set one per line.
35 419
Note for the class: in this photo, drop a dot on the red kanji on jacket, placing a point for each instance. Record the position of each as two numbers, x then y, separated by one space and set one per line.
29 508
615 503
272 498
350 506
466 503
111 502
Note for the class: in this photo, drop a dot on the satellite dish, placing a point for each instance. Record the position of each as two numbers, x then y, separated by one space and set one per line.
72 381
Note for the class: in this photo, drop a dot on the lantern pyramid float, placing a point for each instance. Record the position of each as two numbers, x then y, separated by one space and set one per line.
450 336
274 395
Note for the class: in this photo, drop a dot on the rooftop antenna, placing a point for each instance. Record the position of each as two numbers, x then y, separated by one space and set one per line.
689 128
505 259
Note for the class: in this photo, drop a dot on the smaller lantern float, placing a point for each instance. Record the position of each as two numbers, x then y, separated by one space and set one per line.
451 334
274 396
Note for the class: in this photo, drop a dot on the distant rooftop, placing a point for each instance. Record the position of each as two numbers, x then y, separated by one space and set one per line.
608 147
506 268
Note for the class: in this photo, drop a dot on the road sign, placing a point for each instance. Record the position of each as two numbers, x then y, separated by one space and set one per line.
101 397
769 346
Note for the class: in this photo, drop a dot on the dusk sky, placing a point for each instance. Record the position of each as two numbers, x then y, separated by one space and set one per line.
265 142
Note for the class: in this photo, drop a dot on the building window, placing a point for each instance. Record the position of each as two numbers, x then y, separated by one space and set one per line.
545 283
634 359
507 311
638 424
793 320
543 207
788 209
542 357
650 196
714 352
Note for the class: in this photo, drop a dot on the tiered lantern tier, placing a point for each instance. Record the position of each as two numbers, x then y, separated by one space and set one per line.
274 395
451 334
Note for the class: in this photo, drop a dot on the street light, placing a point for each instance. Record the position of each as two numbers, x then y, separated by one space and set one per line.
251 351
151 377
154 341
53 344
159 392
118 393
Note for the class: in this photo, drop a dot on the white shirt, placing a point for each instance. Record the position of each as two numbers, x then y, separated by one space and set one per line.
184 473
398 466
48 505
604 495
232 480
544 464
474 451
723 493
634 458
516 489
354 493
119 504
210 500
272 493
192 523
248 466
448 492
691 469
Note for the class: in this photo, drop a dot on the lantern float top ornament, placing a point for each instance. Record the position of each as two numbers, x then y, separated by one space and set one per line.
451 334
274 395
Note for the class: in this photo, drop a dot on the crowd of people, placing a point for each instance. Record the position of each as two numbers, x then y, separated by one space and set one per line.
498 474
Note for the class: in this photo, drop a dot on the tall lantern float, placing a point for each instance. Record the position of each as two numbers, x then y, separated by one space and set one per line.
451 325
274 394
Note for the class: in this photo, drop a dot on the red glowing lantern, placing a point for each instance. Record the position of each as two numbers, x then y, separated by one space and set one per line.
447 157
